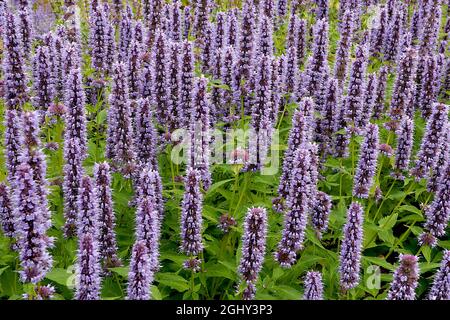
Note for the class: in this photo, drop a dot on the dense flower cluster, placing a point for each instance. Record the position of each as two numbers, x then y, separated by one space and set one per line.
403 286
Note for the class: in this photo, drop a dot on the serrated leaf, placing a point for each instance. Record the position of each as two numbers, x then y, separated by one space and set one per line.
173 281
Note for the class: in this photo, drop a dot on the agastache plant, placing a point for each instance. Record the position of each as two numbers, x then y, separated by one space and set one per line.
403 151
367 164
43 84
342 54
160 92
107 219
186 82
140 275
31 226
15 89
313 286
432 141
298 204
350 255
191 214
7 222
253 249
441 283
12 142
145 134
406 276
380 94
438 213
320 212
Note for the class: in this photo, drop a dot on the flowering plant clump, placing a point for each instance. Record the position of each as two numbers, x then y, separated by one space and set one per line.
225 150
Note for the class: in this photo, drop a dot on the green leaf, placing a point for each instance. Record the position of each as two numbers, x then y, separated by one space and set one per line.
121 271
380 262
219 271
173 281
60 276
387 223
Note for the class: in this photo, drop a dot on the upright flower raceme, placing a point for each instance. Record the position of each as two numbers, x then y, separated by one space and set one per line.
191 215
329 116
75 117
12 142
7 222
380 95
393 35
313 286
429 87
25 29
317 66
199 147
133 70
298 204
350 256
31 224
432 141
87 281
404 85
441 284
97 38
107 219
15 90
438 213
253 249
43 85
145 134
367 164
353 102
161 78
320 212
404 284
125 34
186 82
73 172
405 136
300 134
342 59
175 112
148 215
370 94
120 142
140 275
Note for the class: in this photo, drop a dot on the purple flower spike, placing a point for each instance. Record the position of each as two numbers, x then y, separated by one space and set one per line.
313 286
13 142
403 286
97 38
350 259
380 95
87 281
200 126
432 141
441 284
342 53
161 78
298 204
191 215
253 249
15 88
145 134
405 134
393 36
31 225
43 85
402 94
120 142
73 172
148 216
107 219
367 164
6 211
438 213
321 212
25 29
318 64
140 275
175 111
187 83
75 117
88 211
353 102
429 87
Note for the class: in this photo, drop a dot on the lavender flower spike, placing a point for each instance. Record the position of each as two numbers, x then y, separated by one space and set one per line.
441 284
191 214
367 164
313 286
31 224
140 275
350 260
432 141
321 212
107 219
253 249
438 213
6 211
88 212
298 204
13 143
404 284
87 281
43 85
404 144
